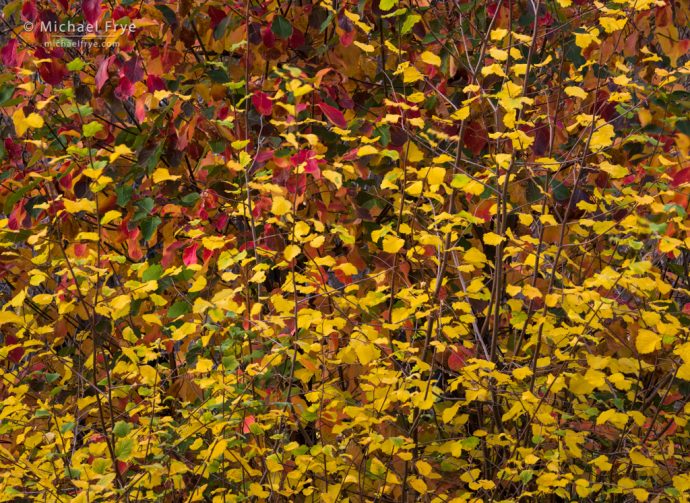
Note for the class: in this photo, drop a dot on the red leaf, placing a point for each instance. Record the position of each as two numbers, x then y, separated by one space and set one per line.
29 12
133 69
18 217
334 115
124 89
268 38
189 254
296 40
133 246
248 421
458 357
262 103
475 137
91 10
216 15
52 72
154 83
80 250
15 355
140 109
102 73
683 176
8 54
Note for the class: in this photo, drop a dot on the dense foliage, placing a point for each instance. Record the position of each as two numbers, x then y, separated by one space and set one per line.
371 250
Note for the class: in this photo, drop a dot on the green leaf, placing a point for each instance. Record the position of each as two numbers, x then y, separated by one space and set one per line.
124 194
178 309
124 448
387 5
52 377
153 272
409 23
221 28
92 128
122 428
76 65
281 27
190 199
6 93
148 227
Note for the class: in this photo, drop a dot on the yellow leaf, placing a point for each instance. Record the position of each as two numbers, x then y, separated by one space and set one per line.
578 92
376 467
258 277
513 290
81 205
414 154
668 244
347 268
498 54
365 47
602 138
510 96
366 352
423 468
213 242
614 170
461 114
415 188
334 177
602 462
424 399
86 236
450 413
498 34
618 419
492 239
291 251
110 216
647 341
431 59
218 449
411 74
611 24
204 365
22 123
392 244
258 491
531 292
565 3
640 459
682 482
640 494
198 285
474 256
163 175
317 241
280 206
522 373
118 151
494 69
583 40
418 485
367 150
435 176
9 317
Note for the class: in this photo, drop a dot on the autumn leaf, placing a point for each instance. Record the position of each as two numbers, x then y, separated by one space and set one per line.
262 103
334 115
23 123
